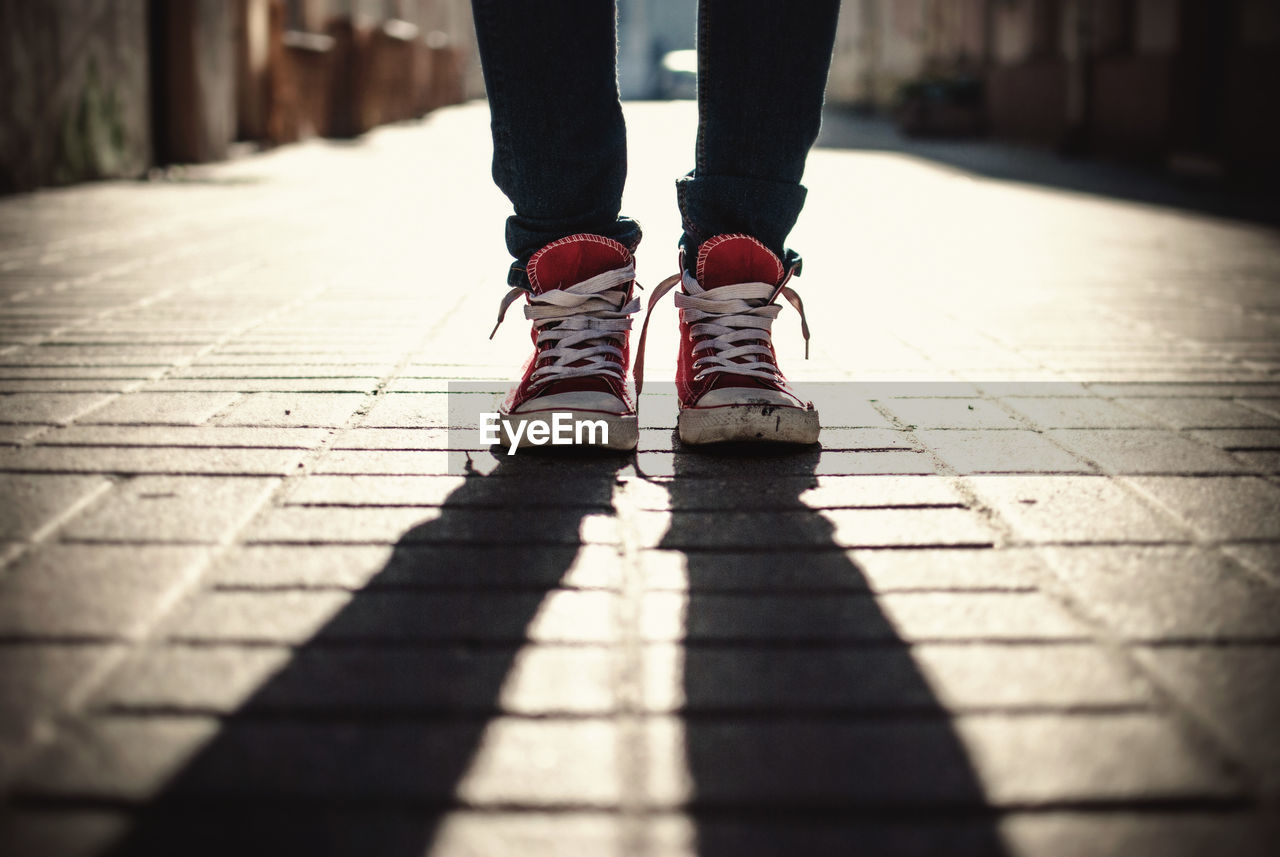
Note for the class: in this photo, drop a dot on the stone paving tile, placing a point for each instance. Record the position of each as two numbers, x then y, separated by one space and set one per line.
303 369
10 550
47 407
823 492
1077 412
884 570
293 618
402 384
950 414
853 618
36 681
161 409
121 758
996 760
1261 462
998 451
877 439
375 462
293 409
12 434
1262 558
377 360
1189 389
1200 413
171 509
833 439
893 462
407 410
1073 509
1169 593
133 758
899 527
1146 451
1241 438
414 525
336 830
843 410
83 833
393 439
1218 507
1072 834
79 373
132 460
451 566
30 502
949 569
227 437
536 680
285 387
804 528
1233 689
1270 406
1184 834
887 680
88 356
372 491
83 591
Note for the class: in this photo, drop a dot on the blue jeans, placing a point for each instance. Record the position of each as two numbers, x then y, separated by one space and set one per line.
559 143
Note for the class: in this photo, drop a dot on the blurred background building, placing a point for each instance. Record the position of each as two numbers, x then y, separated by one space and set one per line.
108 88
1192 83
103 88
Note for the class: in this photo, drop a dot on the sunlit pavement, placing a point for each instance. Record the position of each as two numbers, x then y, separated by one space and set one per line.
1025 600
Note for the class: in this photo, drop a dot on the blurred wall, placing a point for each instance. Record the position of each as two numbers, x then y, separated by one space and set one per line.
879 46
75 102
1184 81
108 88
193 79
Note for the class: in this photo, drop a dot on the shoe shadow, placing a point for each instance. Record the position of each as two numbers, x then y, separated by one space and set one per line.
362 742
808 727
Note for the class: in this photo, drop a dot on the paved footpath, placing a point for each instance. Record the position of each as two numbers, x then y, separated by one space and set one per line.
1024 601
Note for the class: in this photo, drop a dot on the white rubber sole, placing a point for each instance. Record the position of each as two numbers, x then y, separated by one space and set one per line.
621 431
748 424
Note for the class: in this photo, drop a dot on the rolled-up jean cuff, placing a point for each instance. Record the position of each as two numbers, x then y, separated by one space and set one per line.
717 205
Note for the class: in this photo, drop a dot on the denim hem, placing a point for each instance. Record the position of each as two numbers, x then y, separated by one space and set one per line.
718 205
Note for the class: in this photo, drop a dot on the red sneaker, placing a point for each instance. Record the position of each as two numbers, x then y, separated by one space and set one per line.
580 305
728 382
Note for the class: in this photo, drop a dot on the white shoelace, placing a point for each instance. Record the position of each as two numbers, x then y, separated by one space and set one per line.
585 323
735 319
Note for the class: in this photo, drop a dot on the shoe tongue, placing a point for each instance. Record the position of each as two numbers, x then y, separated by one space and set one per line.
571 260
729 259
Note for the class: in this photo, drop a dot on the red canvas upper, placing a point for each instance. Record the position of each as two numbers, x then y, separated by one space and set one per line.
728 259
559 265
722 261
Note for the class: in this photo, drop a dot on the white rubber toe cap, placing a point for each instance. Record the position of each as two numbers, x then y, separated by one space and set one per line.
578 400
748 396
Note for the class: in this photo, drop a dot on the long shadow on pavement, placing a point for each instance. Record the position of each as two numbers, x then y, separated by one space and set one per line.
808 727
360 743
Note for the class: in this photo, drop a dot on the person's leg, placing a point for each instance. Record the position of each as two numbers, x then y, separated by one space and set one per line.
560 156
559 144
762 72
